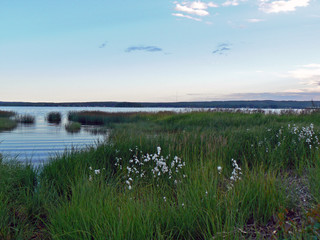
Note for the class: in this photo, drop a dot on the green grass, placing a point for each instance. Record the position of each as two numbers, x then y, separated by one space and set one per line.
73 127
91 193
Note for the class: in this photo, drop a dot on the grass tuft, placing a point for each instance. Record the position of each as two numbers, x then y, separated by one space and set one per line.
73 127
54 117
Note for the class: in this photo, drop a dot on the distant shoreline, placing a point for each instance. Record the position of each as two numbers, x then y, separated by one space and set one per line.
208 104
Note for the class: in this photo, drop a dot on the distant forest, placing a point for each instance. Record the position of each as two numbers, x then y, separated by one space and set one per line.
211 104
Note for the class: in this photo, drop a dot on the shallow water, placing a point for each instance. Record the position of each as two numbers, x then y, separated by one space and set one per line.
35 143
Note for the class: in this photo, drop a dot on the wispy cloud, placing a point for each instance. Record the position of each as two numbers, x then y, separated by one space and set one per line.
187 9
103 44
295 95
144 48
255 20
186 16
308 74
276 6
222 49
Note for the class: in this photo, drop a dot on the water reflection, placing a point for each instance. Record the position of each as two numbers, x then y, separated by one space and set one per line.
43 139
35 138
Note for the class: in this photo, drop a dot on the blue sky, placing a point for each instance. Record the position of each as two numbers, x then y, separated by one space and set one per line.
142 50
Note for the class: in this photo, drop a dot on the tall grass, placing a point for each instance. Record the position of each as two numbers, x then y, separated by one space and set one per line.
103 118
19 206
232 181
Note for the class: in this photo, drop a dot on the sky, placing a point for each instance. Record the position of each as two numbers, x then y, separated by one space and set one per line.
159 50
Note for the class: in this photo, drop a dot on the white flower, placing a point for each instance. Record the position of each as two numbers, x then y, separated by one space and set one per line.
90 168
159 150
164 199
97 171
90 178
219 169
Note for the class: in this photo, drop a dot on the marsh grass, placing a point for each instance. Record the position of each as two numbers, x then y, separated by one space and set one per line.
6 114
54 117
73 127
7 124
84 194
104 118
25 119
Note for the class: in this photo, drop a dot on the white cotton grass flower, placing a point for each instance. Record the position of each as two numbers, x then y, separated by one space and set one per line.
155 166
235 175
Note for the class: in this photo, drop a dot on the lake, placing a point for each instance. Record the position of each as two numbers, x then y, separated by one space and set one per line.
37 142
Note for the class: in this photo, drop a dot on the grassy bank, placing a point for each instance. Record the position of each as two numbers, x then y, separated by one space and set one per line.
175 176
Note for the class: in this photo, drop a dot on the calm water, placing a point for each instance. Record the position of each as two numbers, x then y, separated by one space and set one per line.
39 141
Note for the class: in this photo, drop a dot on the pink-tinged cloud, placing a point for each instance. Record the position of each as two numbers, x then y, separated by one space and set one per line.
308 74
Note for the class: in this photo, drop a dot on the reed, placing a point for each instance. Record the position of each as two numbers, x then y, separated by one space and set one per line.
102 118
6 114
25 119
54 117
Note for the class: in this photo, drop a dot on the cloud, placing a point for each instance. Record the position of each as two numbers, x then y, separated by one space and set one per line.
276 6
231 3
222 49
255 20
186 9
186 16
296 95
103 44
308 74
144 48
197 8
